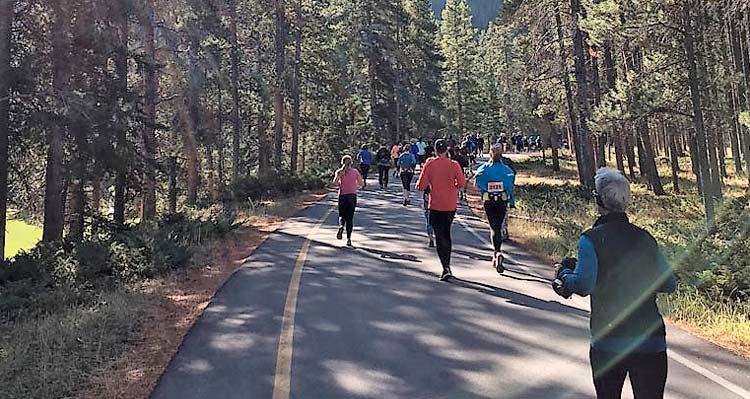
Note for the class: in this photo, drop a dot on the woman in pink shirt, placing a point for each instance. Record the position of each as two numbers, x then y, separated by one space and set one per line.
349 181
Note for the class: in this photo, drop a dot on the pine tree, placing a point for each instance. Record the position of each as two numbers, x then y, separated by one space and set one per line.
458 46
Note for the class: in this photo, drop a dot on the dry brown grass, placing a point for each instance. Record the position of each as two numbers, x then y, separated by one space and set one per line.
176 302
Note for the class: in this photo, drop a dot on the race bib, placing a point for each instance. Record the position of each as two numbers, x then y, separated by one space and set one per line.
495 187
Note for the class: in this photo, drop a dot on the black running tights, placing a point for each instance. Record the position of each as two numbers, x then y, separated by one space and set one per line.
441 223
496 211
383 175
347 206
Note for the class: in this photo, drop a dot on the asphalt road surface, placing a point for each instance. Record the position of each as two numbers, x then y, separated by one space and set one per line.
306 317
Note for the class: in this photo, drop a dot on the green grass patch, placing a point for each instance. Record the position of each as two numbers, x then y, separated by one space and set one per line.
20 236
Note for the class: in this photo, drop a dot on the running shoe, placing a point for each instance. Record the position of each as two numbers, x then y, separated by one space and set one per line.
447 275
432 244
497 263
340 234
349 243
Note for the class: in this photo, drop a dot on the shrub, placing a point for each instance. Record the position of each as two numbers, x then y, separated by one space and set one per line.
52 276
278 184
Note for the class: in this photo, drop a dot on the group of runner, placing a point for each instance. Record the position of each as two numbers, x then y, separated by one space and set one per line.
442 180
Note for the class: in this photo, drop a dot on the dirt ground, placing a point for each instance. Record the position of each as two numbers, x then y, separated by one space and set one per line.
175 303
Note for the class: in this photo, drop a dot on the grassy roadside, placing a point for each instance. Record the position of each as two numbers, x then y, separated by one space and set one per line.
117 343
551 214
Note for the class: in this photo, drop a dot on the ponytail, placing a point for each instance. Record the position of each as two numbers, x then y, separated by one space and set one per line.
346 165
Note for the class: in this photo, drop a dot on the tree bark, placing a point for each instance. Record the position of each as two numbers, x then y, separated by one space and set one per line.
172 190
646 155
278 95
587 164
565 77
698 122
151 91
296 101
235 61
675 162
122 11
54 218
7 14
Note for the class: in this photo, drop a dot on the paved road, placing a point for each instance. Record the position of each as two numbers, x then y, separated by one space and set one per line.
374 322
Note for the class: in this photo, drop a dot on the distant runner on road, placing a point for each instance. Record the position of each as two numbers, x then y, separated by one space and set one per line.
383 159
349 180
395 153
406 164
496 181
444 177
365 160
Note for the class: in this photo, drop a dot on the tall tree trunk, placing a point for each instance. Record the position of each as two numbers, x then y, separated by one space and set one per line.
610 72
172 183
697 105
122 11
7 13
646 153
79 177
675 161
460 98
734 102
587 164
190 148
235 61
54 209
296 101
210 176
278 95
555 146
601 139
151 91
565 77
220 140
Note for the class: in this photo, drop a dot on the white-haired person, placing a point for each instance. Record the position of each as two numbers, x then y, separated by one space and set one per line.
622 268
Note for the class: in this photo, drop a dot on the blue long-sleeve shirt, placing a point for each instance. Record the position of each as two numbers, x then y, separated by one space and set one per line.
582 281
497 172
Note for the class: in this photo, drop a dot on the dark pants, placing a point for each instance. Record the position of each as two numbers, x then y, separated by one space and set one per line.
347 206
496 211
406 178
648 374
441 223
364 169
383 175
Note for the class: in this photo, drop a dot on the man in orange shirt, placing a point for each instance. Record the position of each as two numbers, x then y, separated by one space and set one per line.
444 177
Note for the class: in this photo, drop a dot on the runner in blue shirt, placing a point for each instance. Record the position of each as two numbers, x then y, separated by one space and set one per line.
365 160
496 182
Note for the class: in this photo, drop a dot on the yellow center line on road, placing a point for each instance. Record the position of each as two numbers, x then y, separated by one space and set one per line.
283 377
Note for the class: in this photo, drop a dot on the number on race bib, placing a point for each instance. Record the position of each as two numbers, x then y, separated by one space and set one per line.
495 187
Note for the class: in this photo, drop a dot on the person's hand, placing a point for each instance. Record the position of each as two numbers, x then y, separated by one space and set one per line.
568 265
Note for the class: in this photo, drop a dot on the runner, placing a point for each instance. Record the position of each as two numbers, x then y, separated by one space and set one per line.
444 178
395 152
428 226
406 163
365 159
421 154
383 159
495 180
349 180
